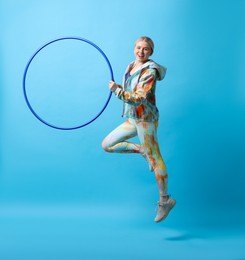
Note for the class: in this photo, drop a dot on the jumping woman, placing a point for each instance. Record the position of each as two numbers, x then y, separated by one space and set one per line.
139 107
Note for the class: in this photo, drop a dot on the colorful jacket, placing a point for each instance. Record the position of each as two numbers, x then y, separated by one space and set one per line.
138 91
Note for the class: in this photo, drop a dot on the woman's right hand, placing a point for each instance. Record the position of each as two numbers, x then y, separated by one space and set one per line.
112 86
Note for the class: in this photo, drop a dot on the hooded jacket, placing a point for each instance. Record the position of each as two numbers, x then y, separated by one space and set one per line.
138 91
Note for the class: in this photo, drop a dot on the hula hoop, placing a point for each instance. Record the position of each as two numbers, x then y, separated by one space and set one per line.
25 92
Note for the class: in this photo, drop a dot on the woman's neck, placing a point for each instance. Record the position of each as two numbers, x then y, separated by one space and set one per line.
138 64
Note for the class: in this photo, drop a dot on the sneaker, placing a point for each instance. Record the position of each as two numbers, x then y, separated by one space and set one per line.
163 208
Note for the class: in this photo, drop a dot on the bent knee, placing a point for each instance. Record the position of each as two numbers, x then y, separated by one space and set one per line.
105 146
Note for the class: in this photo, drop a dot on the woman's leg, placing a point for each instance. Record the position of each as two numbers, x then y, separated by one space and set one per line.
115 142
147 133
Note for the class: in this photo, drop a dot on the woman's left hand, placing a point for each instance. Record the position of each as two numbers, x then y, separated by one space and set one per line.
112 86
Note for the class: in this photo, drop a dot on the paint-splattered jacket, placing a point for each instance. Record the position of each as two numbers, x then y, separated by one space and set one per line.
138 91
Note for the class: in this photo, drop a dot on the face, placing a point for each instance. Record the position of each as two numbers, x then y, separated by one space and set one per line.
142 51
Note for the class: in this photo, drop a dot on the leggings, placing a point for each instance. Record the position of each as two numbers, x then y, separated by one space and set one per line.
116 142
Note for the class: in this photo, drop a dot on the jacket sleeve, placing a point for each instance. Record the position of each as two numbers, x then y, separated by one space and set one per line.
139 95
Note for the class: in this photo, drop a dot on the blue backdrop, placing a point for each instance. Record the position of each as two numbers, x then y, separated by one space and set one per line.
201 103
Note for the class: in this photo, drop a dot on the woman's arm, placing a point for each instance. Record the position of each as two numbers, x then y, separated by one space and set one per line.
139 95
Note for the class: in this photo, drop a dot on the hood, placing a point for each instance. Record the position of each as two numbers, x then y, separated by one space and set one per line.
152 65
160 69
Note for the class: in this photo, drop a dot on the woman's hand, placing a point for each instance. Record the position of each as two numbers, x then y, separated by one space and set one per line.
112 86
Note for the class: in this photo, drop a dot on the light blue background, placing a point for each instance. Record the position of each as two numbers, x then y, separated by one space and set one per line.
66 174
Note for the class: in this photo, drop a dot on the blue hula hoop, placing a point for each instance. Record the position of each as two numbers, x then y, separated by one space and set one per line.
25 92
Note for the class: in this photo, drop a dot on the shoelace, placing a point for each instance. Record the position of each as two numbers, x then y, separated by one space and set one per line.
160 204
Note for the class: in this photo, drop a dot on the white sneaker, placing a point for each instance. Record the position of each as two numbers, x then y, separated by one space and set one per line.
163 208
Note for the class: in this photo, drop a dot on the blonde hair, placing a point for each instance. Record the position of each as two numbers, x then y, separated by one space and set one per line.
148 40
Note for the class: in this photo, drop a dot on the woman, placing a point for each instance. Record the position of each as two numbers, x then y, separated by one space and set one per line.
138 96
